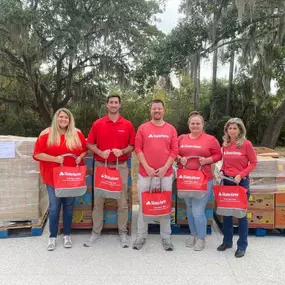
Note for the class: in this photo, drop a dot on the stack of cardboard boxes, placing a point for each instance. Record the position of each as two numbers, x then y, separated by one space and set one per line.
279 211
22 195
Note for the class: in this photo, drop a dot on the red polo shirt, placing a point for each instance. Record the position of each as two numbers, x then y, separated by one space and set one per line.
107 134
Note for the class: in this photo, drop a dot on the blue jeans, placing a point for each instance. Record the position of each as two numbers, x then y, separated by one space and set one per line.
196 213
54 211
242 223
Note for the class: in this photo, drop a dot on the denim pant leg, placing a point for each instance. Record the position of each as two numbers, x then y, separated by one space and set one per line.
242 242
54 210
67 204
198 211
190 217
228 230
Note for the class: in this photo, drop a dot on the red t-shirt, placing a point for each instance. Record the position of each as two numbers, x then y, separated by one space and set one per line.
157 143
239 160
107 134
46 167
205 146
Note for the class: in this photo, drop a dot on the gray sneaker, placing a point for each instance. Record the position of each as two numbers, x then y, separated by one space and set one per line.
51 244
125 242
200 244
190 242
67 241
93 239
167 244
139 243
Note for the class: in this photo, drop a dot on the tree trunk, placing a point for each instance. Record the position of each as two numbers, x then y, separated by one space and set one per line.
230 87
273 130
214 84
42 108
195 78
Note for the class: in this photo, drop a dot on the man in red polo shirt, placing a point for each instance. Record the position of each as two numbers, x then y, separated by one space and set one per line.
111 137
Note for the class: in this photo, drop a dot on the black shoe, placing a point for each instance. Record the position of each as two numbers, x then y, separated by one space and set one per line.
224 246
239 253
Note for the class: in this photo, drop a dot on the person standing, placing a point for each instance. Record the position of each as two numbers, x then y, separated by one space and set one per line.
61 138
111 138
239 159
207 150
156 148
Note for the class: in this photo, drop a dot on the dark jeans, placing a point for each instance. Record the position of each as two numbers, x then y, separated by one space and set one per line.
54 211
242 223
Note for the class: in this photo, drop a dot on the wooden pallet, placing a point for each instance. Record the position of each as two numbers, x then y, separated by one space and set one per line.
24 228
259 232
175 229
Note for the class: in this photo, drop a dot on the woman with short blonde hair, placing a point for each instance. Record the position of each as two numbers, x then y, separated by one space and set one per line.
239 159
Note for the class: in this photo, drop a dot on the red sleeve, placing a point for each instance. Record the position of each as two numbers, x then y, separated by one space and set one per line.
180 138
252 158
139 141
174 145
222 151
132 136
40 145
216 153
83 141
92 137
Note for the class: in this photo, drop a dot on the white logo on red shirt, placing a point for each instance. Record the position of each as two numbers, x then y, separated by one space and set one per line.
121 131
162 136
232 153
190 146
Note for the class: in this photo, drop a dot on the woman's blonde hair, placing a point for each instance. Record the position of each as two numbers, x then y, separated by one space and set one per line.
71 135
195 114
242 132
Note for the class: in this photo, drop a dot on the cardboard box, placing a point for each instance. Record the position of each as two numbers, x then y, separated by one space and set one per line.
261 201
280 199
256 219
181 216
81 219
280 217
261 219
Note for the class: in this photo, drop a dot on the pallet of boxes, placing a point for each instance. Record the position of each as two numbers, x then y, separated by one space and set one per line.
23 197
266 206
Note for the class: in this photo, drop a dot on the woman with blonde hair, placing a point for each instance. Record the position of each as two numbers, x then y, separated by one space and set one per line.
207 150
61 138
239 159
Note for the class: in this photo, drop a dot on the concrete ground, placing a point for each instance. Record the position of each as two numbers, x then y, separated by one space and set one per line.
26 261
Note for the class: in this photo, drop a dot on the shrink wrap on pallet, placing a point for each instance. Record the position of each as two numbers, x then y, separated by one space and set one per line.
22 195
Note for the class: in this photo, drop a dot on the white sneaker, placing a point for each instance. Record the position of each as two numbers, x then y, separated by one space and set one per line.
93 239
200 244
190 242
125 242
51 244
67 241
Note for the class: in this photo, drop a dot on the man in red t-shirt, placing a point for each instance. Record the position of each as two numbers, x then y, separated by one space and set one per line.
110 138
156 147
